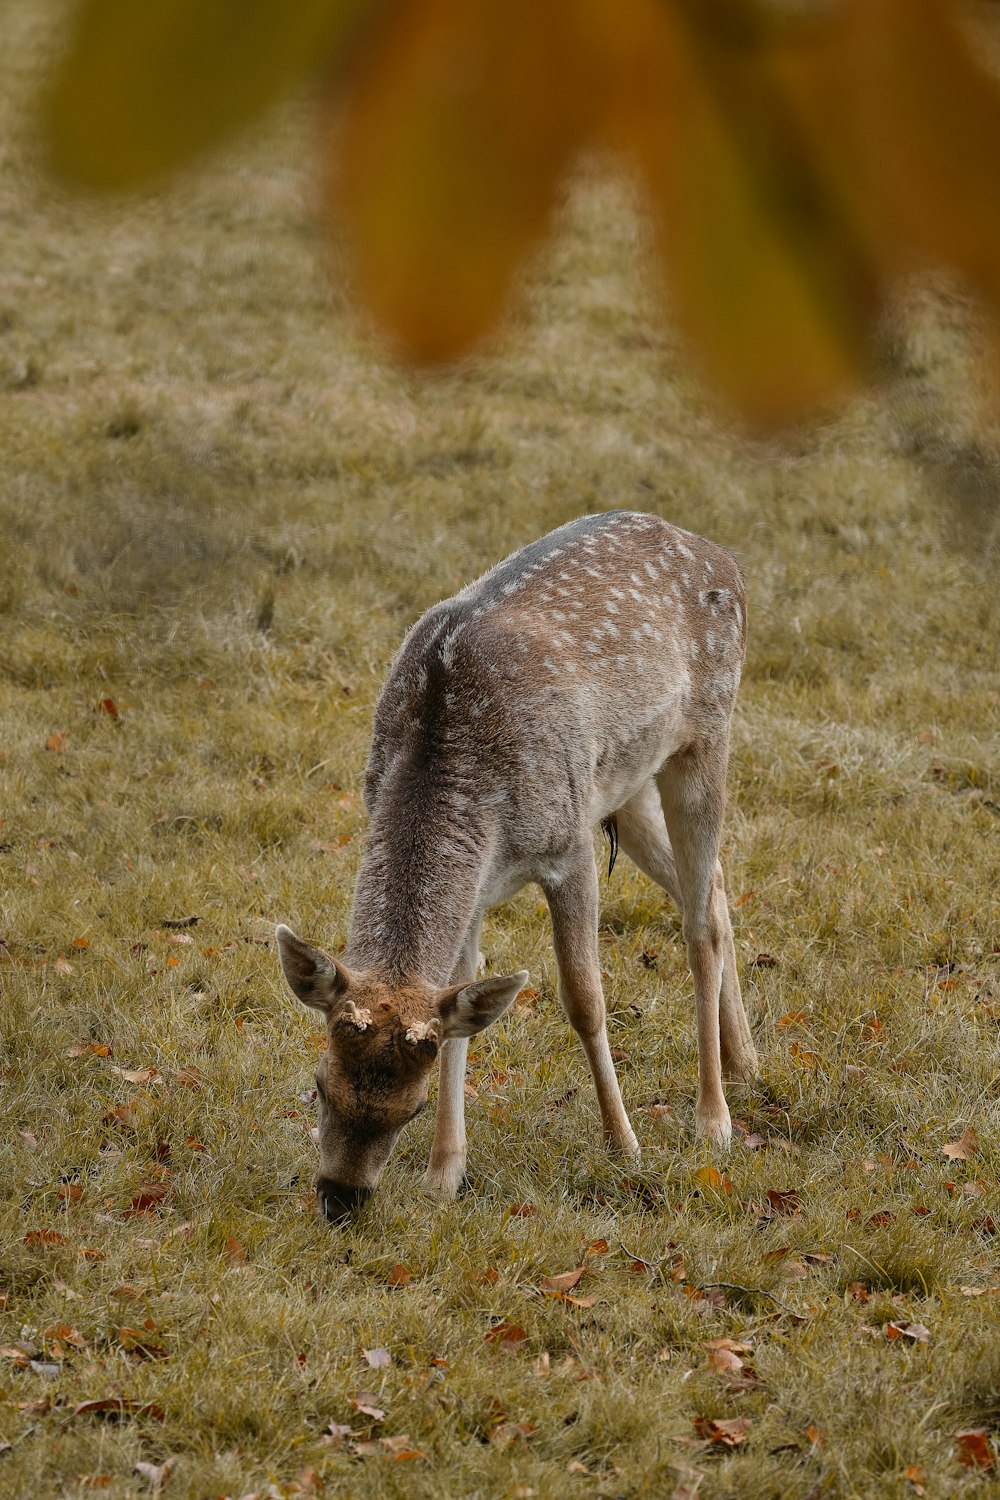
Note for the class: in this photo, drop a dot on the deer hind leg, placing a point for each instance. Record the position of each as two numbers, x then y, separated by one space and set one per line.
642 834
692 793
573 905
446 1169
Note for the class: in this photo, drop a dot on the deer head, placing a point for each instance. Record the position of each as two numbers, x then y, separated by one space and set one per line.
382 1040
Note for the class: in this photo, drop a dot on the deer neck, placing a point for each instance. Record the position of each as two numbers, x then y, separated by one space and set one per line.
421 877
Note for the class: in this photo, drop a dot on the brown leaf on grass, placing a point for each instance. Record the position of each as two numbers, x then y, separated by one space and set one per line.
915 1331
505 1433
690 1482
914 1474
880 1220
597 1247
792 1018
365 1402
965 1147
44 1237
398 1276
522 1210
764 961
94 1481
564 1282
975 1449
57 743
65 1334
401 1449
147 1199
377 1359
728 1432
802 1056
70 1192
108 706
783 1202
115 1407
89 1049
134 1075
506 1335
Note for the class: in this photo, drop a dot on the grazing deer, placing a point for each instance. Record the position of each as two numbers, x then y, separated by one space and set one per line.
590 677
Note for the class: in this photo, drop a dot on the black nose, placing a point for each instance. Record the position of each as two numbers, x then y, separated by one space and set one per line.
337 1200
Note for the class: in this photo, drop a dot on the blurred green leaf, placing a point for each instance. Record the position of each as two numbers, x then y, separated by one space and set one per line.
146 84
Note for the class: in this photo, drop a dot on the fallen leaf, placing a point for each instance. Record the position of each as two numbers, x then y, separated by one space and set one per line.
134 1075
70 1192
401 1449
562 1283
961 1150
915 1331
377 1359
522 1210
398 1276
57 743
147 1198
597 1247
727 1431
118 1406
89 1049
783 1202
975 1450
365 1403
764 961
792 1018
915 1475
44 1237
512 1432
506 1334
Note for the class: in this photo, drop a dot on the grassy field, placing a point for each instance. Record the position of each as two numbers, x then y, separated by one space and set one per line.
218 514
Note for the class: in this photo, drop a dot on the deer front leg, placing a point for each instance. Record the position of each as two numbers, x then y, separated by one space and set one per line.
573 905
446 1169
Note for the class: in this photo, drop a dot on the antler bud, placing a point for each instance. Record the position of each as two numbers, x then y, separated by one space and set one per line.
418 1032
352 1015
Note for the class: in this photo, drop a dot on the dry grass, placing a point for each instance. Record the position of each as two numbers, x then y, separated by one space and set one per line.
219 511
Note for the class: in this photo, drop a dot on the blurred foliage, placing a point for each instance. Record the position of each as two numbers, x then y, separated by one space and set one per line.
797 160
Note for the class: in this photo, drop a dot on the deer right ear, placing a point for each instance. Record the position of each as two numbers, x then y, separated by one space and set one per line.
467 1009
313 976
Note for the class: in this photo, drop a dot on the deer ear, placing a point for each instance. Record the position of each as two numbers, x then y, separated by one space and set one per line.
313 976
469 1008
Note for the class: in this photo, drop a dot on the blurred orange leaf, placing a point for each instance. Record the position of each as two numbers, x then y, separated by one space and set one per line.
57 743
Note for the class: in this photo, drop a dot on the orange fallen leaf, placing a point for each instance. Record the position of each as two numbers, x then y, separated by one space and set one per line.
57 743
505 1333
522 1210
915 1475
398 1276
44 1237
975 1450
70 1192
108 706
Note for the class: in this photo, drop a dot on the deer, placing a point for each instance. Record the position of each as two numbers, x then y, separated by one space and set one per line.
589 679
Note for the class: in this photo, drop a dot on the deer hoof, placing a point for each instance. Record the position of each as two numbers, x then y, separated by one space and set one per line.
444 1180
716 1128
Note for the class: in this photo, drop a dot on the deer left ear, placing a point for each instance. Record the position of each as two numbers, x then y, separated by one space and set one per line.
313 976
467 1009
